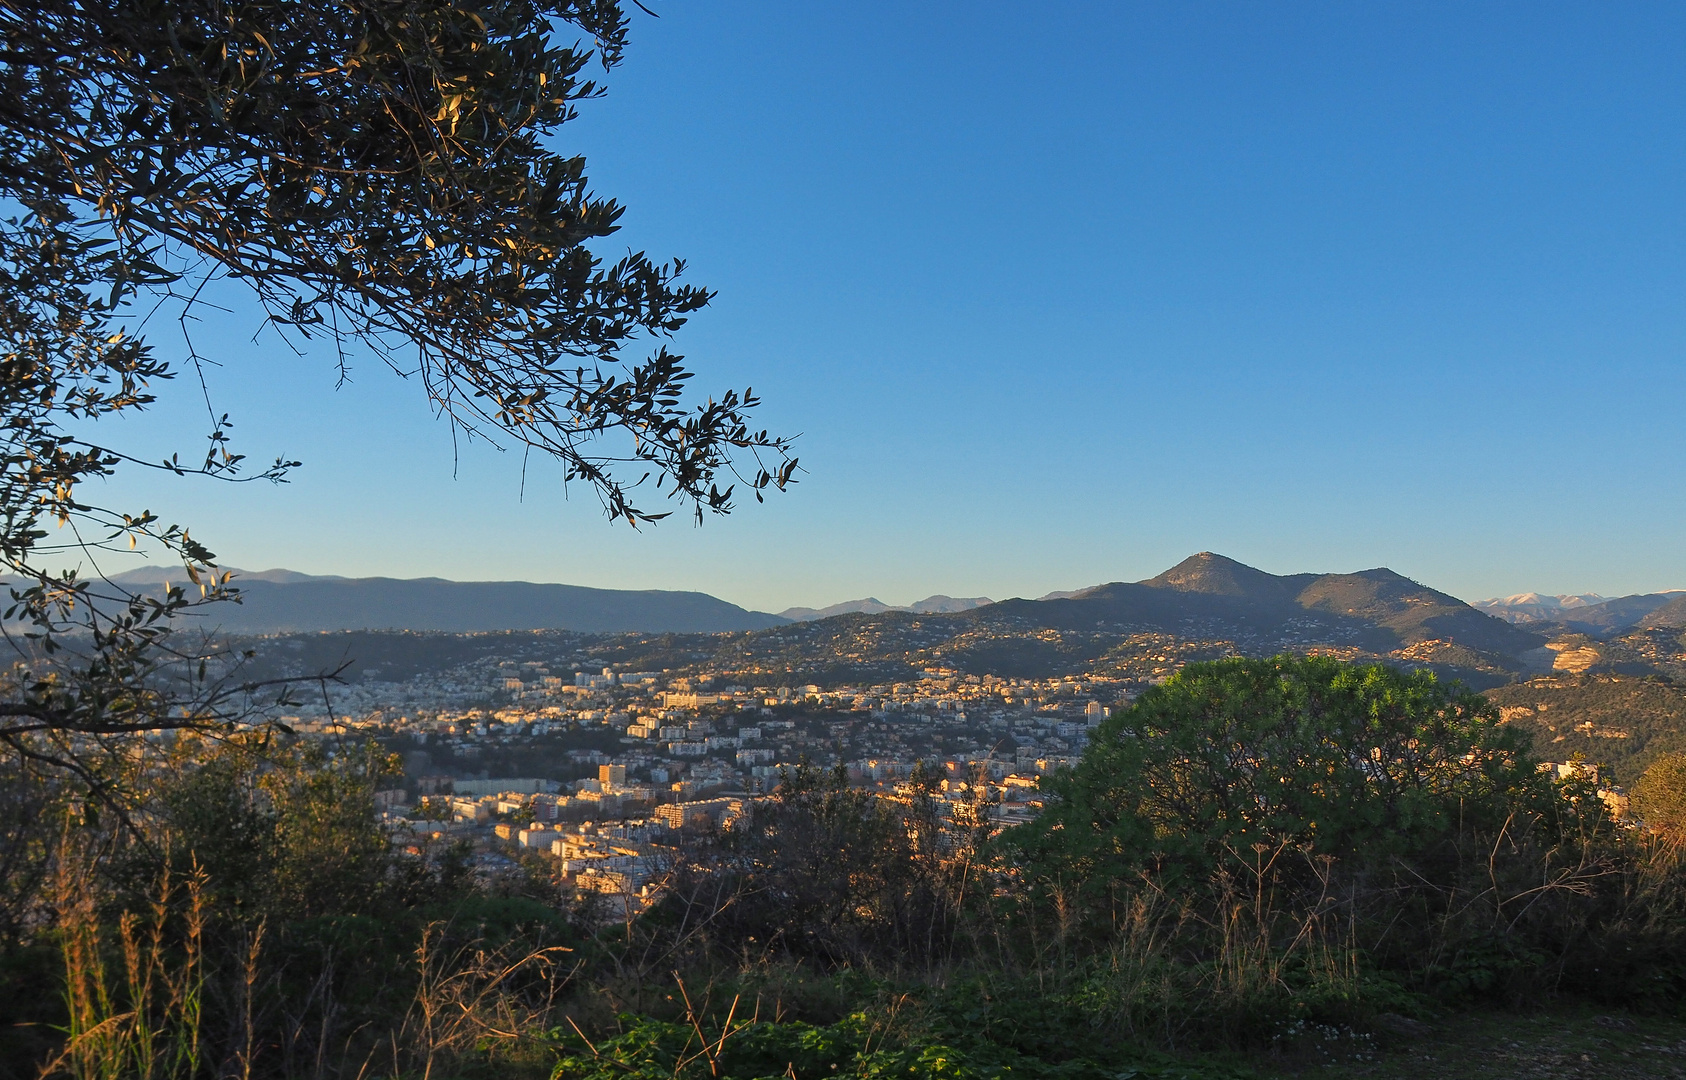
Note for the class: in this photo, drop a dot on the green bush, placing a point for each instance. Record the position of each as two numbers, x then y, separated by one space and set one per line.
1234 756
1264 842
650 1049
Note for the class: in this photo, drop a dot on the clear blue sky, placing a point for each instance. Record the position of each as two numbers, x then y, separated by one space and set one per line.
1060 294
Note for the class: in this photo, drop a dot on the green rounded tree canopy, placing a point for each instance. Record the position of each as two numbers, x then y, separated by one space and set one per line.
1243 758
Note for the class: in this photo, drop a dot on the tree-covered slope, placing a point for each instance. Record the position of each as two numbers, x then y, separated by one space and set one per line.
1671 615
1619 720
1412 611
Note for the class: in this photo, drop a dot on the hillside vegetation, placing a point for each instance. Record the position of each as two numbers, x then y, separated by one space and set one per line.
1283 856
1671 615
1622 721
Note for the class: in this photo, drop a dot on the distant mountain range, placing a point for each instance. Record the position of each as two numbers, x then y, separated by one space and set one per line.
1590 613
1205 607
1374 609
284 601
931 605
1378 611
1530 605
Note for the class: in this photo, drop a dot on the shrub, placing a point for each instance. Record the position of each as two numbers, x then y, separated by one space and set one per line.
1659 798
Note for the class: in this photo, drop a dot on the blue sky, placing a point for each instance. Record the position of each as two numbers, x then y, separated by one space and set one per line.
1061 294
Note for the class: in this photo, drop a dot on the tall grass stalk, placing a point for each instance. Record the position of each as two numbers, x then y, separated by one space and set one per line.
144 1023
475 997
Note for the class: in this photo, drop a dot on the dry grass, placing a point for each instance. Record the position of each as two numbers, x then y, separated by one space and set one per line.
142 1020
470 998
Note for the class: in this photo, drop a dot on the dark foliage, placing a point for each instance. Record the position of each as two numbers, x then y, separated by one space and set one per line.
381 177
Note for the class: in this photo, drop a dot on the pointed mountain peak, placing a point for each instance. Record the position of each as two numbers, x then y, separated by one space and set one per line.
1208 572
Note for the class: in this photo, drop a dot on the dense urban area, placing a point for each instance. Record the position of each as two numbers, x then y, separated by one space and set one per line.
602 768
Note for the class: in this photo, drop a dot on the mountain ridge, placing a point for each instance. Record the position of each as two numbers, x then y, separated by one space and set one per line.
286 601
937 603
1605 617
1671 615
1141 632
1376 608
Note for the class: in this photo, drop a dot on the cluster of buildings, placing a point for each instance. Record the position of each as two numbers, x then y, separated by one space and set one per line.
606 837
686 733
612 769
635 837
622 760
